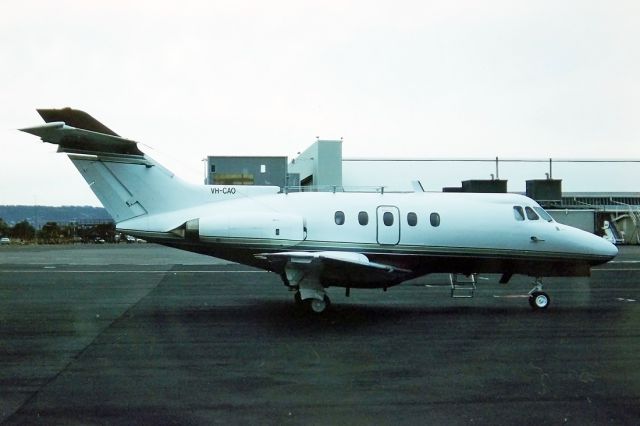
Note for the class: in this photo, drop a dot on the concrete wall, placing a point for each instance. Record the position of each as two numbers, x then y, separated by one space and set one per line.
320 164
581 219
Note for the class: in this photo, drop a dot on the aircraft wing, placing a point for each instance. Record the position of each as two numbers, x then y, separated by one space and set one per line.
339 268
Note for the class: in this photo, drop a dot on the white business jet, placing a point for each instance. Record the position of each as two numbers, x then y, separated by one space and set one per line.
316 240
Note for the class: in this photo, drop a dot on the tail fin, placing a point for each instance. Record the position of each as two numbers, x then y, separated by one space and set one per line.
127 182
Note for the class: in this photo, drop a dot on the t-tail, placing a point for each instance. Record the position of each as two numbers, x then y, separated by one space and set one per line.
127 182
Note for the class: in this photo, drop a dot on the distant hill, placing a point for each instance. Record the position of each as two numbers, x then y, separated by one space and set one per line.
39 215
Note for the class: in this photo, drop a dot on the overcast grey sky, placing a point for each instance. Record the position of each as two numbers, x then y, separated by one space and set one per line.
395 79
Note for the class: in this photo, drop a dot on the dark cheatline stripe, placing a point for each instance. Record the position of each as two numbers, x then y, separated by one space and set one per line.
256 245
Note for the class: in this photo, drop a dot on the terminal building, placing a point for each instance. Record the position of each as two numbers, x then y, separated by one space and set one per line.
321 167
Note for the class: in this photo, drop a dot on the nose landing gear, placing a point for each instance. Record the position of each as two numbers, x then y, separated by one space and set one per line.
538 299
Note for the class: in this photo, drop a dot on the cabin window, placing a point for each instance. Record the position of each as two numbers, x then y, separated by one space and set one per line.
363 218
339 217
531 215
387 218
434 218
518 213
543 214
412 219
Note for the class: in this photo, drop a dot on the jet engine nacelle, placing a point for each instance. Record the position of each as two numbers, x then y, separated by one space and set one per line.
250 225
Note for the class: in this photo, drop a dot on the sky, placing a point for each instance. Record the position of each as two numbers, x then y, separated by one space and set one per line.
410 79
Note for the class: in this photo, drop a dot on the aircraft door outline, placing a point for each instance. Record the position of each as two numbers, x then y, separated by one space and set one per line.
388 225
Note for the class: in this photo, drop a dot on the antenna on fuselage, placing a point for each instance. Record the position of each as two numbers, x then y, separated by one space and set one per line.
417 186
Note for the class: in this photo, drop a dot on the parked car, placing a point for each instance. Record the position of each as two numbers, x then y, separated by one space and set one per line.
5 240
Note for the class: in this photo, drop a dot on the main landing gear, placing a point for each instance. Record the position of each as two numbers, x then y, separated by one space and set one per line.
313 305
310 294
538 299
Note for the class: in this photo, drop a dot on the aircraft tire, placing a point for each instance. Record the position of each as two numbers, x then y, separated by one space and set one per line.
316 306
539 300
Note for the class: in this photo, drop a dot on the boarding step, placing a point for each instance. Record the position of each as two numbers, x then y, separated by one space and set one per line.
462 286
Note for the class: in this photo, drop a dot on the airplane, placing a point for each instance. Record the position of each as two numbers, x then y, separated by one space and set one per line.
317 240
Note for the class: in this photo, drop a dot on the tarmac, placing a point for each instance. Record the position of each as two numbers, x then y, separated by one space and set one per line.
142 334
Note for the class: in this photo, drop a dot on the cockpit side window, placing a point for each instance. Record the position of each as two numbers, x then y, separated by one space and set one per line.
518 213
531 215
543 214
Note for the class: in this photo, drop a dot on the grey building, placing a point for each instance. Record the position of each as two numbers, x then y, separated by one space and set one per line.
234 170
320 165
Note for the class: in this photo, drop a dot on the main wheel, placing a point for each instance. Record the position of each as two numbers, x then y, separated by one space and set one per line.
539 300
318 306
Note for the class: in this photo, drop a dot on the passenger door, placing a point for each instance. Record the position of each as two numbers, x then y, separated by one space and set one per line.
388 220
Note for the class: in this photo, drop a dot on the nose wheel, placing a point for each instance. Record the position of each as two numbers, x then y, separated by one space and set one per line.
538 299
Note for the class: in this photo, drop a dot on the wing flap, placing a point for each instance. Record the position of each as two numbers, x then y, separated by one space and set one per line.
341 267
350 258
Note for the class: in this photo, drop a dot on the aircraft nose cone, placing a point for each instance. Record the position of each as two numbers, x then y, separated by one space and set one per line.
611 250
605 250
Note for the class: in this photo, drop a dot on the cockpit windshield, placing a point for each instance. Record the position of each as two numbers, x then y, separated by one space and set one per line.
531 213
543 214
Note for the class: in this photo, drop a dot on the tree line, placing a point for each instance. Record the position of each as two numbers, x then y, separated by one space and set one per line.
37 215
54 233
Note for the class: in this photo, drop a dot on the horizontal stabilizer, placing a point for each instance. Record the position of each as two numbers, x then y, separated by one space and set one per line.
75 118
82 141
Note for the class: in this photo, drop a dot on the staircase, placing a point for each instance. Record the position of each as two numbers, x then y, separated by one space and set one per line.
462 286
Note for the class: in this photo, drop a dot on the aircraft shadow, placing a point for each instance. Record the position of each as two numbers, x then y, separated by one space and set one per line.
283 315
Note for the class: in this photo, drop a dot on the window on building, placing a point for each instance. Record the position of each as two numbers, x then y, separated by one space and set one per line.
518 213
263 168
363 218
233 179
339 217
412 219
213 168
531 215
434 218
387 218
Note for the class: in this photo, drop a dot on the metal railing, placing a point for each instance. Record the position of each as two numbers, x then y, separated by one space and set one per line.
339 188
